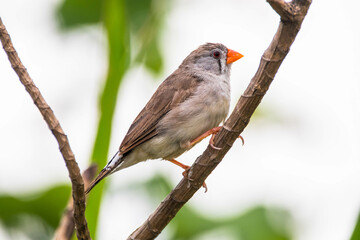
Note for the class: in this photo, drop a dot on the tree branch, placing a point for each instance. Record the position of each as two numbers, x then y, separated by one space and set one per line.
287 11
292 15
54 125
66 227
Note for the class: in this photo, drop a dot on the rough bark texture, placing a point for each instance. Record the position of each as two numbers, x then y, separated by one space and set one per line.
66 227
292 15
54 125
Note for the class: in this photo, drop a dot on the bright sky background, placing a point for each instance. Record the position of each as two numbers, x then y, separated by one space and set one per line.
304 156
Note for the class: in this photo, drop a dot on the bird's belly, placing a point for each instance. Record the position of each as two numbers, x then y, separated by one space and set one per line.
205 118
188 121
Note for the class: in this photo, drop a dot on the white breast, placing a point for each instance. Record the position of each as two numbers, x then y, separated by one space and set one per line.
206 109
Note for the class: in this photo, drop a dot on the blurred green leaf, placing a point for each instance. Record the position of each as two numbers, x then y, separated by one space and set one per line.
45 206
119 59
75 13
255 224
258 223
138 12
356 233
145 19
152 57
147 24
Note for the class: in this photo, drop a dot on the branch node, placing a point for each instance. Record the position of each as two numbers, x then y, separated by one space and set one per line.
284 52
202 164
153 231
286 10
228 128
176 200
271 60
269 76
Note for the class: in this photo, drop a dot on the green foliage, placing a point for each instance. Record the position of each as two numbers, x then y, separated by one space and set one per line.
147 18
125 21
119 55
144 18
75 13
44 207
151 57
258 223
356 233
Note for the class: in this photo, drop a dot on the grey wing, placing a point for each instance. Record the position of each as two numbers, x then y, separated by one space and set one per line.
174 90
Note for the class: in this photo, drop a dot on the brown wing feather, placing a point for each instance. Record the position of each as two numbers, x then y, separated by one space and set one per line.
174 90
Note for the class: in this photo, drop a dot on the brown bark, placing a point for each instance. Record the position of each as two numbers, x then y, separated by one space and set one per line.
54 125
66 227
292 15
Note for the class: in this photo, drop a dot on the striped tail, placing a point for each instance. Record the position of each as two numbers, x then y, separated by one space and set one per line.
110 168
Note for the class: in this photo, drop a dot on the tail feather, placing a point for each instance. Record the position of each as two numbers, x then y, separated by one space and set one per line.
100 177
110 168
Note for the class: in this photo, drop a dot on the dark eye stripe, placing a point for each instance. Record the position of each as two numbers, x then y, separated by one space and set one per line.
220 67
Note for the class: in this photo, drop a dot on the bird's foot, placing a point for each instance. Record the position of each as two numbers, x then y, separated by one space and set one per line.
242 139
185 173
212 132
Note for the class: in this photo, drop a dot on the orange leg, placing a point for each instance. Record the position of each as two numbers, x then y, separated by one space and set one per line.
212 132
183 166
186 168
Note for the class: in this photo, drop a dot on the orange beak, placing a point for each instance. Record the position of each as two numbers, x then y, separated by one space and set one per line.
233 56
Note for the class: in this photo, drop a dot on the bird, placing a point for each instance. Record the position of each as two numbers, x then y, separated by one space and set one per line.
187 106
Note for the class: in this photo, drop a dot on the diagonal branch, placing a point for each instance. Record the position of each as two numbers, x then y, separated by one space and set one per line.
66 227
292 15
54 125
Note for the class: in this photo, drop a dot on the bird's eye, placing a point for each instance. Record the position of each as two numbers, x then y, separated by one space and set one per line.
216 54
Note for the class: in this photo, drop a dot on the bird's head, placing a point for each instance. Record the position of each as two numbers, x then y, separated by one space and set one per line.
212 57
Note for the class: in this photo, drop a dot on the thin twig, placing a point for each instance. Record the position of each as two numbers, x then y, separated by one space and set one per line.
235 124
66 227
54 125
